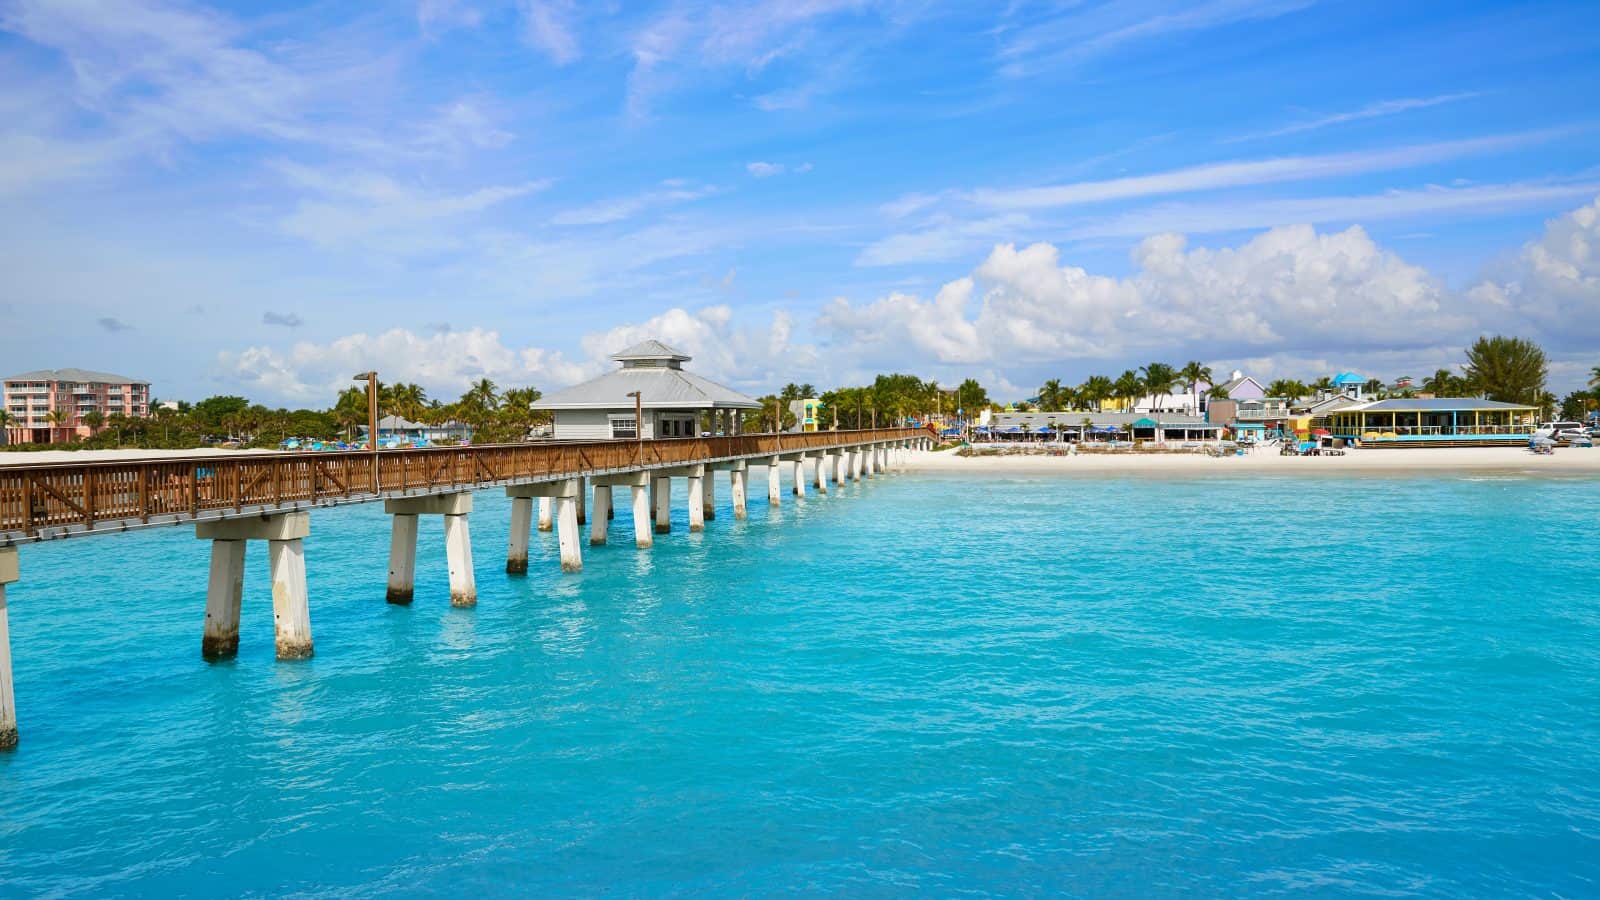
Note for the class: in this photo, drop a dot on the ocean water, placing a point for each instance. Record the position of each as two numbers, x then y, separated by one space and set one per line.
1133 686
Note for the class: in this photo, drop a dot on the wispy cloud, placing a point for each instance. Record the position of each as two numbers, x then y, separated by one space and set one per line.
112 324
1249 215
1241 173
617 209
281 319
551 26
1084 33
1370 111
769 169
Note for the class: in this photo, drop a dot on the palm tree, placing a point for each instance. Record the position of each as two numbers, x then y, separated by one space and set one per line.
1159 380
1050 395
57 419
1508 369
1128 386
6 421
1322 387
1374 386
1594 378
1096 390
1439 383
1287 388
1192 373
94 419
484 393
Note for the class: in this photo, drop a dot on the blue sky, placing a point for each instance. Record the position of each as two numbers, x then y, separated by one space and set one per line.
265 199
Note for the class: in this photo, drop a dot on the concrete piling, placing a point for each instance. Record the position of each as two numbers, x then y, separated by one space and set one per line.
457 542
697 498
663 501
8 698
291 606
224 597
602 515
517 540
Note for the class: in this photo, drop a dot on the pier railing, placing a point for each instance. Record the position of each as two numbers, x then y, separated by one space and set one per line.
86 496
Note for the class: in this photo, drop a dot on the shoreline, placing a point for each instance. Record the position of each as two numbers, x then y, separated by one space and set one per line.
1566 462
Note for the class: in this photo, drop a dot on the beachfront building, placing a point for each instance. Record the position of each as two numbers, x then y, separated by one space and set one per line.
672 400
1440 422
807 413
1349 384
1074 427
72 394
1245 409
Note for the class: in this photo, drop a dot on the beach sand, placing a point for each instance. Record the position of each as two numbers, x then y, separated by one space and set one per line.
1566 461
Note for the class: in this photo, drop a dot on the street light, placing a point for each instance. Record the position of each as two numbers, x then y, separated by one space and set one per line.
371 378
638 421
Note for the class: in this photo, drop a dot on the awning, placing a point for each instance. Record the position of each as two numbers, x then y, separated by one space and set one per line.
1147 423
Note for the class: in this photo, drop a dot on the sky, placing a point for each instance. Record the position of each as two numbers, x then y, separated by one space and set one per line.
266 199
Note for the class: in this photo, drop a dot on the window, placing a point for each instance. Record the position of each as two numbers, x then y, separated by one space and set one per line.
624 427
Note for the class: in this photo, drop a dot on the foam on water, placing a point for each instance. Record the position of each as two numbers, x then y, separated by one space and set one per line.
1120 685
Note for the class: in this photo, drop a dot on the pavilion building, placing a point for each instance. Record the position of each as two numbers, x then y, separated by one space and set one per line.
671 399
1439 422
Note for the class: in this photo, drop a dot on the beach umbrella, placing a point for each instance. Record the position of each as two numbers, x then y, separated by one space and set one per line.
1322 432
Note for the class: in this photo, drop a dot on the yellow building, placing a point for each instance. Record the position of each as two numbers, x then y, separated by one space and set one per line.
1452 421
806 413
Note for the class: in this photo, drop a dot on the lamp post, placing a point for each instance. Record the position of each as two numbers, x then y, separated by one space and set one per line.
638 422
371 378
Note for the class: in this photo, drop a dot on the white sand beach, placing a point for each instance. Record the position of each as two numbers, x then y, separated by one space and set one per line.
1566 461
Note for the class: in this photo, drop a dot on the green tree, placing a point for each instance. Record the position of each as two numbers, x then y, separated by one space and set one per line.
971 396
1052 395
1192 373
1508 369
1594 378
1158 380
214 413
1128 387
1288 389
1097 389
94 419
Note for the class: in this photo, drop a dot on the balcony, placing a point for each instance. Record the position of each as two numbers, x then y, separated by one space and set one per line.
1256 412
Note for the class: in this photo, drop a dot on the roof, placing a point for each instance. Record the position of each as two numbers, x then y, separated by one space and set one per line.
1441 404
1230 384
659 388
1348 378
650 350
74 375
1336 403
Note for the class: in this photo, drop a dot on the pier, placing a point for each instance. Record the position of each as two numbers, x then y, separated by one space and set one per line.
233 499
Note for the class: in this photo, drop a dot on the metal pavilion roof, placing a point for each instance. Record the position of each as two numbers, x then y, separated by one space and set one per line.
659 387
1440 404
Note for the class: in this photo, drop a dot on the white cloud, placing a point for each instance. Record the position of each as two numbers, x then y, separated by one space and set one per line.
1240 173
943 237
1239 215
616 209
343 208
1290 288
445 363
764 169
1554 283
550 26
1370 111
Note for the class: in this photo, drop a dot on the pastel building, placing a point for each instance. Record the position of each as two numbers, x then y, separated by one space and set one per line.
31 397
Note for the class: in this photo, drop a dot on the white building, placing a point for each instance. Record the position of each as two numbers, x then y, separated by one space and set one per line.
673 400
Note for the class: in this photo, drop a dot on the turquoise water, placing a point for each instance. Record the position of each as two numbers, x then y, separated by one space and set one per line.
920 684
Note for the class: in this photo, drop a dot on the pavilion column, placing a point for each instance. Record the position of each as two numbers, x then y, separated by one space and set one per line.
546 514
697 499
567 526
663 505
517 544
800 475
736 487
224 596
708 505
8 698
602 515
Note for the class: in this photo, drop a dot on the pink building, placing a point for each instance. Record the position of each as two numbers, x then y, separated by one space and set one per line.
32 396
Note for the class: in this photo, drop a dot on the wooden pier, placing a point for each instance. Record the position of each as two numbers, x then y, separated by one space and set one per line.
232 498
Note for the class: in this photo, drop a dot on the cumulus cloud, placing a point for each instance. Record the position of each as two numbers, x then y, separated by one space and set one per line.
1288 288
1554 283
445 363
